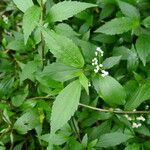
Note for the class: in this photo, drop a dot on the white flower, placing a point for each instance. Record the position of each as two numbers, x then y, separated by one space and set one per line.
96 62
93 64
5 19
129 118
104 73
139 125
100 51
102 54
100 65
94 59
135 125
97 67
96 71
89 84
146 107
141 118
96 53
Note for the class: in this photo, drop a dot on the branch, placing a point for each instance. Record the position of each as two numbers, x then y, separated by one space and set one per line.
111 110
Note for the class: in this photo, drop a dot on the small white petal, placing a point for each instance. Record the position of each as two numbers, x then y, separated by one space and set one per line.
97 67
135 125
89 84
103 75
102 54
98 49
96 62
126 115
96 53
141 118
139 125
129 118
95 70
105 72
100 65
93 64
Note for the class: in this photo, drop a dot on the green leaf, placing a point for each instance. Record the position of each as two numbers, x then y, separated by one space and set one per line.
139 96
143 47
146 22
60 72
107 10
134 146
84 82
30 21
111 61
112 139
118 26
128 9
20 96
66 9
132 61
63 49
27 122
6 86
23 5
28 71
65 29
110 90
17 45
65 105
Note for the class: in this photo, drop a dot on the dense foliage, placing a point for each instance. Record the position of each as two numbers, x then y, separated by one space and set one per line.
74 75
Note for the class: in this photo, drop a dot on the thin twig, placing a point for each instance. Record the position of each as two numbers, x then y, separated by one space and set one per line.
40 97
111 110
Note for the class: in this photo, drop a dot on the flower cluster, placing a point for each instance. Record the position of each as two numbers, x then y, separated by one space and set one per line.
95 62
136 121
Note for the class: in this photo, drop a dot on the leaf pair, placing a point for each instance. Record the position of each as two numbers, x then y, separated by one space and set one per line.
59 12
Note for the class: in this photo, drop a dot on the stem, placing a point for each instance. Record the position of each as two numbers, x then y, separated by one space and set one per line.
75 129
111 110
42 38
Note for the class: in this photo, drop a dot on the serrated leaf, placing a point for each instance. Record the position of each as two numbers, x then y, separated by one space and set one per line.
63 49
17 45
84 82
20 96
128 9
118 26
66 9
146 22
23 5
112 139
65 105
28 71
27 122
139 96
132 61
65 29
111 61
60 72
143 47
6 85
107 10
134 146
110 90
30 21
